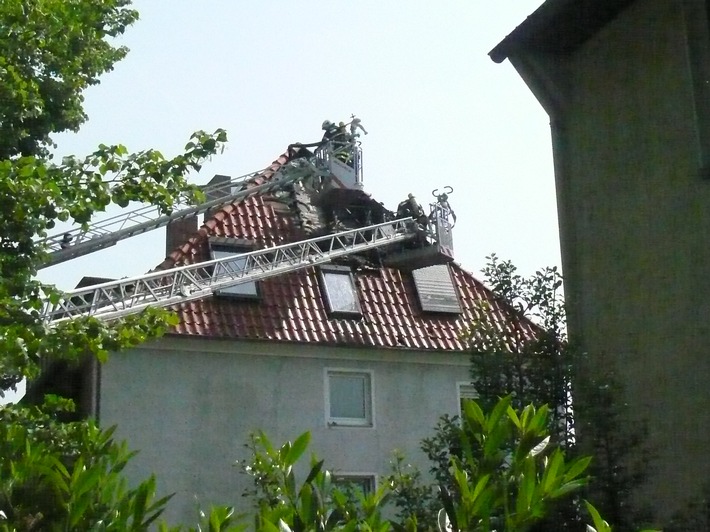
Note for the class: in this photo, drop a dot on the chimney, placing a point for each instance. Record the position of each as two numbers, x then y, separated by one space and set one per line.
178 232
218 187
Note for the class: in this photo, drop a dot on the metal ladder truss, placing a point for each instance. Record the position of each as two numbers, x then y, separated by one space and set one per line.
105 233
115 299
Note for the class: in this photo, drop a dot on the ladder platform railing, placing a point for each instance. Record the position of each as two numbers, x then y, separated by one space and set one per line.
163 288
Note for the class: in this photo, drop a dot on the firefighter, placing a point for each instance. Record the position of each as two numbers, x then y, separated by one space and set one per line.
410 207
341 143
329 130
355 124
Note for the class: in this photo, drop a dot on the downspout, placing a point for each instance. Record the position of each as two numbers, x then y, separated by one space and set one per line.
547 75
698 60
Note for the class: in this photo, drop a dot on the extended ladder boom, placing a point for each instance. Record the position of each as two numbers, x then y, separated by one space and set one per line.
186 283
77 242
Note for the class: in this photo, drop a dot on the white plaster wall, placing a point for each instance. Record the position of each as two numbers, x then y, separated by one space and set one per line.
189 405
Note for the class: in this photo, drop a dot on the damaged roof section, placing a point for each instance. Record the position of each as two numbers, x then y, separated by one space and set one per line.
293 307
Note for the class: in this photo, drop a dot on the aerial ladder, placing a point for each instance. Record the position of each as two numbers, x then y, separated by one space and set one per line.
328 161
115 299
79 241
163 288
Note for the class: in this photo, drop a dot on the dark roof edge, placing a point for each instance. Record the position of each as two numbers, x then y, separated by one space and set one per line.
559 26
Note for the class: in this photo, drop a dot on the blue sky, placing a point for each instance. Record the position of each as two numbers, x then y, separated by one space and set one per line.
438 110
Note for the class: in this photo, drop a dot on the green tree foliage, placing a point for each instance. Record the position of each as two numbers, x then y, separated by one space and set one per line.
317 504
415 499
50 51
505 473
508 473
67 476
548 369
57 476
538 366
507 478
36 194
534 368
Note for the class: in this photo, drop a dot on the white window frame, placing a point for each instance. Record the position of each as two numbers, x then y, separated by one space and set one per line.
345 272
341 477
369 420
248 290
464 390
437 290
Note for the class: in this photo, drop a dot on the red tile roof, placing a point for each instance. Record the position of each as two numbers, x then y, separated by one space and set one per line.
291 306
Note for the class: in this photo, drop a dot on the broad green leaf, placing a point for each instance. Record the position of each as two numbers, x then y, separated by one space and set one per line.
526 487
472 411
550 476
538 423
577 467
514 417
567 488
315 470
540 447
449 508
480 486
290 483
497 413
307 509
298 447
599 523
143 494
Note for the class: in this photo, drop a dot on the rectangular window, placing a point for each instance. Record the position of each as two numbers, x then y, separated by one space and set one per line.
339 291
348 398
436 289
221 250
465 391
355 483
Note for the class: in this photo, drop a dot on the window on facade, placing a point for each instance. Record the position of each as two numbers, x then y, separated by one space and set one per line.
339 291
221 250
436 289
355 483
349 398
465 391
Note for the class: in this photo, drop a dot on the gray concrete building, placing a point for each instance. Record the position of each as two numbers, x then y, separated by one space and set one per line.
627 87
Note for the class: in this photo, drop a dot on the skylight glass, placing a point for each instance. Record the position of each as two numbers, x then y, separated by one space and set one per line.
339 291
248 289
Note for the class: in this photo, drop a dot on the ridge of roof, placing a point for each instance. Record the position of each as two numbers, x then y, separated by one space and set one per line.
559 26
291 306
